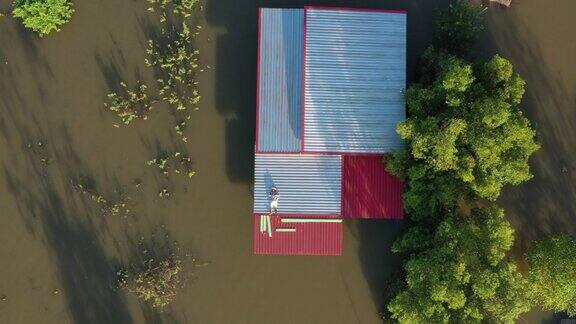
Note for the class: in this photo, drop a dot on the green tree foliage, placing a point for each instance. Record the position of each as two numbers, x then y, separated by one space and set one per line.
465 134
459 27
553 273
466 139
460 272
43 16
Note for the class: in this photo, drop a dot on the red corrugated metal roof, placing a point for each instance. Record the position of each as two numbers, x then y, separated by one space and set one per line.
368 191
309 238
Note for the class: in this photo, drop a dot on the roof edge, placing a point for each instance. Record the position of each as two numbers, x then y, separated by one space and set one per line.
396 11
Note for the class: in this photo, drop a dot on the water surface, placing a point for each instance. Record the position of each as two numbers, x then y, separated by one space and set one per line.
59 252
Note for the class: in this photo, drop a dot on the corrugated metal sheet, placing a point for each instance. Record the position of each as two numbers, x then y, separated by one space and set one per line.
309 184
309 238
280 80
355 72
368 191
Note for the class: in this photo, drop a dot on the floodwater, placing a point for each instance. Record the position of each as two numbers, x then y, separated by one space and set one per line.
59 252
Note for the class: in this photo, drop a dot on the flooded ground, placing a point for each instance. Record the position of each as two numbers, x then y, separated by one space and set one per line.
59 250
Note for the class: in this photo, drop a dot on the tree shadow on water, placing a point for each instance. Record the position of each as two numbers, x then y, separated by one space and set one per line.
46 203
543 205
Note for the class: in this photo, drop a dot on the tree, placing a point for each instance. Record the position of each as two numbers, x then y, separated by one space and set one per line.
465 135
459 27
43 16
552 273
466 139
460 272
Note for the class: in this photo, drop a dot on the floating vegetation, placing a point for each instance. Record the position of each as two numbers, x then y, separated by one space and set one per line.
164 193
39 150
183 8
179 63
176 64
130 104
157 283
108 207
176 162
176 60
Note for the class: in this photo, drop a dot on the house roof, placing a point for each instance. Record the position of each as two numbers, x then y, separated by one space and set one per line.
355 72
307 239
330 84
368 191
309 184
279 97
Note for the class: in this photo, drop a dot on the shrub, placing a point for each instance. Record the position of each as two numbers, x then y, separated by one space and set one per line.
43 16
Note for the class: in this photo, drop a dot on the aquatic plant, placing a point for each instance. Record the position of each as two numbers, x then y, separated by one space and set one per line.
164 193
179 7
39 150
108 207
130 104
157 283
178 162
43 16
178 63
175 59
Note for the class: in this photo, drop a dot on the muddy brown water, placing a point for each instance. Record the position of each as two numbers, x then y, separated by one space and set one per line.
58 253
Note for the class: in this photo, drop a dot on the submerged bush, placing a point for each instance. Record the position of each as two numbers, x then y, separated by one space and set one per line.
43 16
158 282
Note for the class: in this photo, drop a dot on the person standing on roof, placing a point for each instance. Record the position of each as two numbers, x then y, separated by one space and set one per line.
274 196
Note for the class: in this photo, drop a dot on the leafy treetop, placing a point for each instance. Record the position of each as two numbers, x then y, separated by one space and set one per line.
552 273
465 133
460 272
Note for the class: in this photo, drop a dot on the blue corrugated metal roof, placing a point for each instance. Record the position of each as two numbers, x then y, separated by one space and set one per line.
280 80
354 77
308 184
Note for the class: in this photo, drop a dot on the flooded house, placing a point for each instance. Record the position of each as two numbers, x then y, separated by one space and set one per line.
329 96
